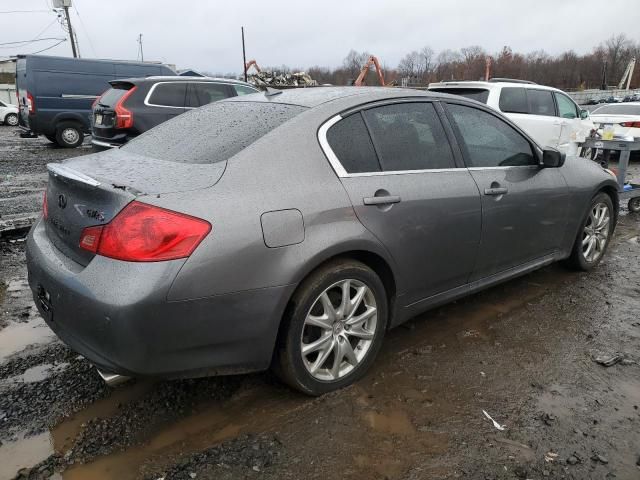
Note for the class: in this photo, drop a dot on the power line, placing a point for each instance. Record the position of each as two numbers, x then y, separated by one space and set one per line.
49 48
84 28
29 41
24 11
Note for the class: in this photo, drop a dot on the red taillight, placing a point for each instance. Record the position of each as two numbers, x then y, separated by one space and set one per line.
631 124
124 117
45 208
144 233
31 104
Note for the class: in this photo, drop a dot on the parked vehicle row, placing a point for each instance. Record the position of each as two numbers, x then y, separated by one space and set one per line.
549 115
55 93
133 106
293 229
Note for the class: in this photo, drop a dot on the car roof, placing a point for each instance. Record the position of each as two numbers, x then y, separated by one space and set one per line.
181 78
489 85
313 96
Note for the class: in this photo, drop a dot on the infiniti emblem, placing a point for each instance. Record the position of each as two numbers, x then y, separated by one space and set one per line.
62 201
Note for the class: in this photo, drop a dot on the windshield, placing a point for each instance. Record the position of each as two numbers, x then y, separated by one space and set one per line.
213 133
617 110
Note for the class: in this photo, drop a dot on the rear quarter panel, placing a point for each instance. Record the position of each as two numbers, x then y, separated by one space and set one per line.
286 169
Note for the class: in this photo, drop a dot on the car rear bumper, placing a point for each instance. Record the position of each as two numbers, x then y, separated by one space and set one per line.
116 314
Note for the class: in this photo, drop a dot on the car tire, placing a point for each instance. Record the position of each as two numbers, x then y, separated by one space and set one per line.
354 330
69 134
594 234
11 119
634 204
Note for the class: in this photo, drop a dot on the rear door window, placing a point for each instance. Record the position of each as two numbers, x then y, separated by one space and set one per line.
199 94
566 107
409 136
350 141
169 94
541 102
244 90
513 100
488 141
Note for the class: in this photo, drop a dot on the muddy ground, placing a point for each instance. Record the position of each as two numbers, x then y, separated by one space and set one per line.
523 352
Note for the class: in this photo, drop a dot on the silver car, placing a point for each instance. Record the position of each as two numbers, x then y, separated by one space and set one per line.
293 229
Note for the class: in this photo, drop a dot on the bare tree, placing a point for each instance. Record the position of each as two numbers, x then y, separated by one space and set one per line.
354 61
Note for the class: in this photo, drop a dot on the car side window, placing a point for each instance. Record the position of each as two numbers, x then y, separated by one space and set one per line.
244 90
350 141
513 100
169 94
488 141
199 94
409 136
566 107
541 102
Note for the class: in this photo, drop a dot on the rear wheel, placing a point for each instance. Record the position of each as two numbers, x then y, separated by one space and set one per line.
11 119
334 330
69 134
634 204
595 234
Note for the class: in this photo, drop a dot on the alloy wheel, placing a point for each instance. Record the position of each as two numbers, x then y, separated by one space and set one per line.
596 232
12 120
339 330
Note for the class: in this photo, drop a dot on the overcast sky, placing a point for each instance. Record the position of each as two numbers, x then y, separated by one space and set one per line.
205 34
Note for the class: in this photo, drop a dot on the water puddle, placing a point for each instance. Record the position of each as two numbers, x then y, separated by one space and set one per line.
37 373
395 422
16 336
250 412
24 453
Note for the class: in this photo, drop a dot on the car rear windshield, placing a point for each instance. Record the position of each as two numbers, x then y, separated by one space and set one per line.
479 94
213 133
617 110
111 96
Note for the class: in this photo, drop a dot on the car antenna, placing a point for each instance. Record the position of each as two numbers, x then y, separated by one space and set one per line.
271 92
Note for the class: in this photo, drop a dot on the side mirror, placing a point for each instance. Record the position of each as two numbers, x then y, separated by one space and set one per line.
584 114
552 158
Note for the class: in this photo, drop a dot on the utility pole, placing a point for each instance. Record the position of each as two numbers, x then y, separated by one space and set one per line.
71 37
244 56
604 76
141 51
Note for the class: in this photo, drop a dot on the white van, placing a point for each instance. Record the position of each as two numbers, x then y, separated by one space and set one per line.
549 115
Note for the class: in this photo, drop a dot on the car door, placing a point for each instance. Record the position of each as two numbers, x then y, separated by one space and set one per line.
397 165
524 206
533 111
202 93
574 128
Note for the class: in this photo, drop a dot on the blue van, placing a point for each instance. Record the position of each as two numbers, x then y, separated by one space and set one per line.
55 93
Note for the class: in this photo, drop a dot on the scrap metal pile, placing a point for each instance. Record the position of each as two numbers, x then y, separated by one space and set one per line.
275 79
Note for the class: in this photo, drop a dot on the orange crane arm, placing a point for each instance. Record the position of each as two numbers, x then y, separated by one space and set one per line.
372 60
248 66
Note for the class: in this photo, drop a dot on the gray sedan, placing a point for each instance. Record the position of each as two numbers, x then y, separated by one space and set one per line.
293 229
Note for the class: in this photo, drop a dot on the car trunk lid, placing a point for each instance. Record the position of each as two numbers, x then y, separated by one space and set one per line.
92 190
104 112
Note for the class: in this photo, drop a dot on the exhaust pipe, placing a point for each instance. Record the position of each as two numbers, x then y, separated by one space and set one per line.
112 379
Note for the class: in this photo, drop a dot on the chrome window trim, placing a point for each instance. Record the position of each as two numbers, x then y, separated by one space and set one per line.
506 167
342 173
146 99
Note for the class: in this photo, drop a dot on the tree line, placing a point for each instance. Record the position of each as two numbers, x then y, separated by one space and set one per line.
567 71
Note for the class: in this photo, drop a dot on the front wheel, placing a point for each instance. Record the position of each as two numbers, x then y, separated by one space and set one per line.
334 329
594 235
634 204
11 119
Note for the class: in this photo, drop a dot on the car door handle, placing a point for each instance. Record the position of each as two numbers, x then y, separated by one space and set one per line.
381 200
496 191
